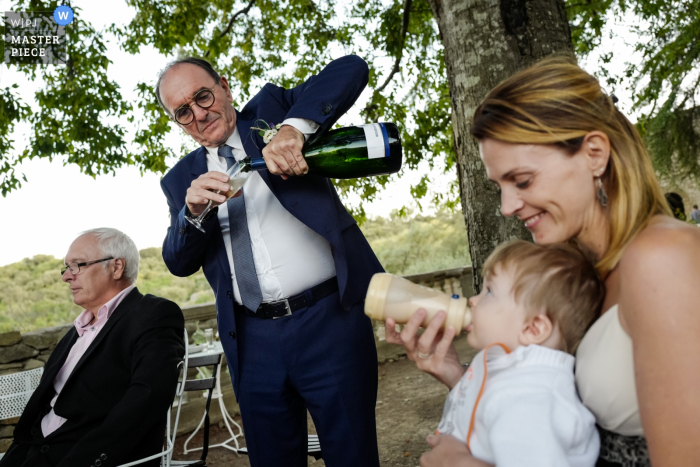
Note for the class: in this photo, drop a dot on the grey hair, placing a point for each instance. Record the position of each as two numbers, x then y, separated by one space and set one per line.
114 243
200 62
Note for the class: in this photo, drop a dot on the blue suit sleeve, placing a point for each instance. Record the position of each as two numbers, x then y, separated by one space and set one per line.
184 245
325 97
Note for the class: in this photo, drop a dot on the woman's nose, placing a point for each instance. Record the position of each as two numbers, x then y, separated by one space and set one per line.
473 301
511 203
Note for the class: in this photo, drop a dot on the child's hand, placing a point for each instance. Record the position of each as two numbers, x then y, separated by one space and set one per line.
432 351
448 451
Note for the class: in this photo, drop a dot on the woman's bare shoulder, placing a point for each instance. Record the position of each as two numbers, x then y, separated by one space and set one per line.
664 239
662 264
659 276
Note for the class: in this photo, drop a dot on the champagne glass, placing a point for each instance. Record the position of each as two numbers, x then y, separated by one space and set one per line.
237 178
209 336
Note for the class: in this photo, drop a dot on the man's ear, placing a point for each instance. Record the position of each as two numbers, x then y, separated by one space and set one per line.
227 89
536 330
596 147
118 270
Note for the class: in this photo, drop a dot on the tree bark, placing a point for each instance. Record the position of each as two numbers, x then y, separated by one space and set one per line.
486 41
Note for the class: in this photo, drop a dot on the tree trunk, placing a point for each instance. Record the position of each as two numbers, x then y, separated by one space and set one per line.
486 41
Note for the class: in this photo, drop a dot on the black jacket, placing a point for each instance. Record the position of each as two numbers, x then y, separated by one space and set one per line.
116 398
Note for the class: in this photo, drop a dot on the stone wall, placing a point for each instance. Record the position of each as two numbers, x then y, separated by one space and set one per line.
21 352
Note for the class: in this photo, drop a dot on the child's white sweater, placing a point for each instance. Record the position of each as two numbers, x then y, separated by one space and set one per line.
529 413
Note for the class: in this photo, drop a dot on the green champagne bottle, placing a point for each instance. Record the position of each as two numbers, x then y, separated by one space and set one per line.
350 152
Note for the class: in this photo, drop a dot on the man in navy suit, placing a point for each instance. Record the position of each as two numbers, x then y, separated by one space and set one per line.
288 264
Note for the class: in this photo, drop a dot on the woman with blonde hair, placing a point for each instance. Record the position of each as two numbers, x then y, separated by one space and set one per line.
572 167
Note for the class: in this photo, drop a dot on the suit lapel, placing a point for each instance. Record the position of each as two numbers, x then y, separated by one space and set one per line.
251 139
59 356
126 305
199 163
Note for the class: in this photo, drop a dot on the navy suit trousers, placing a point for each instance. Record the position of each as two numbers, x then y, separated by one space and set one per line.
321 358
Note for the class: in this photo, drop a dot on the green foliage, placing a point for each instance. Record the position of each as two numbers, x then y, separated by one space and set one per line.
250 41
587 19
665 84
674 141
285 42
12 110
32 295
410 245
154 278
254 41
74 107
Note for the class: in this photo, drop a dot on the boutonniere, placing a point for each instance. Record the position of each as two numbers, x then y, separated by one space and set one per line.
266 130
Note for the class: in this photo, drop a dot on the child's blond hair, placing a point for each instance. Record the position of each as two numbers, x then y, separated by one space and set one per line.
557 280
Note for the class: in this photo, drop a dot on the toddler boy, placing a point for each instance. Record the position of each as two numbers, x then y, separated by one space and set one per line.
517 403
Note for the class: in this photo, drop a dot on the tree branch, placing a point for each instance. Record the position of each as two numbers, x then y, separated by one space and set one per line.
244 11
404 30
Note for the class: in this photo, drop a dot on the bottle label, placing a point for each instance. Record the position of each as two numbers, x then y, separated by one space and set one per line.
375 140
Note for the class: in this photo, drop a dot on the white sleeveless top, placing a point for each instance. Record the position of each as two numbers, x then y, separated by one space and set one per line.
605 376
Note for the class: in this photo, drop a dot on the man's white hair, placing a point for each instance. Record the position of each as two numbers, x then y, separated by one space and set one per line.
117 244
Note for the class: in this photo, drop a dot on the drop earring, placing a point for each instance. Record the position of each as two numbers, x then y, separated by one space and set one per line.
602 195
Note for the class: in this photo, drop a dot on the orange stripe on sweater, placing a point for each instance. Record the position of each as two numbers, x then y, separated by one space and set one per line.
481 391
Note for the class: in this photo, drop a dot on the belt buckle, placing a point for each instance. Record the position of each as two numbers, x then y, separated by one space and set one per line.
286 306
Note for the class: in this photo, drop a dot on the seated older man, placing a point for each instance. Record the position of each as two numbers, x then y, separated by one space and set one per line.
103 398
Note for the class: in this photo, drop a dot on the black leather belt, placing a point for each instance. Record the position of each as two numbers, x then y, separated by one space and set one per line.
287 306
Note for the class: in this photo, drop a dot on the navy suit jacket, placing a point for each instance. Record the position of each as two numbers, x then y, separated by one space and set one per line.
311 199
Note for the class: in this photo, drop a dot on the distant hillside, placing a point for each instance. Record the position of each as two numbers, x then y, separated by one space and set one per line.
33 296
419 244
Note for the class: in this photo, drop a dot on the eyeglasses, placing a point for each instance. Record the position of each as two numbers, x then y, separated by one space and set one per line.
75 267
203 98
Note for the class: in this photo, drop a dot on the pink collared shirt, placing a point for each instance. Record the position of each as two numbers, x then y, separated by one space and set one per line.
86 334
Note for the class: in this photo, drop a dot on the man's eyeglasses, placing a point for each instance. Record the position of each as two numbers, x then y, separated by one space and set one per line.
203 98
74 268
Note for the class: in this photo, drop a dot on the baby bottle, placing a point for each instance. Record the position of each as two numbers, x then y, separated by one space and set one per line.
394 297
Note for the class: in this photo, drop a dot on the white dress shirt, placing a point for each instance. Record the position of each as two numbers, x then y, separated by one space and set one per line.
289 257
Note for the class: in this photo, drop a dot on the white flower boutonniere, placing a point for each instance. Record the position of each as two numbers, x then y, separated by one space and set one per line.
266 130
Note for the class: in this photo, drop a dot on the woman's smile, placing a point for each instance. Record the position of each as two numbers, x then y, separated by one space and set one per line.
532 221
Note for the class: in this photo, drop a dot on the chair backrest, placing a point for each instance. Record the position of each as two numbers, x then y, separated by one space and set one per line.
15 391
204 383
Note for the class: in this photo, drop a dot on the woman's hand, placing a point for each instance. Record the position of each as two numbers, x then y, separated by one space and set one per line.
448 451
432 351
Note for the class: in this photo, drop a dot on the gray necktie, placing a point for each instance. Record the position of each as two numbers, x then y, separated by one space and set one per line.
243 263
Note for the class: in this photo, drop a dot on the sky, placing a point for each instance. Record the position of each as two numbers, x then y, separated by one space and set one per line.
58 202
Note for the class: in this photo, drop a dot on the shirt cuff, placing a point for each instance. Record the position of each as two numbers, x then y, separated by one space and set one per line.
307 127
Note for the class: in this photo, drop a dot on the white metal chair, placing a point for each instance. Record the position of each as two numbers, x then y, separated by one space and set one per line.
209 384
15 391
227 418
167 454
